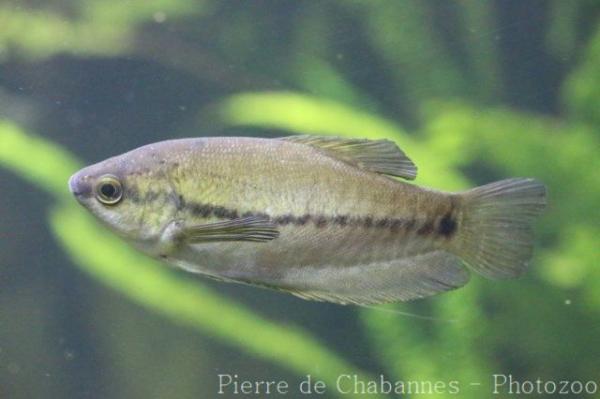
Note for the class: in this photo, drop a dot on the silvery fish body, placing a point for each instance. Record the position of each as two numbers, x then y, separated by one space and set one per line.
320 217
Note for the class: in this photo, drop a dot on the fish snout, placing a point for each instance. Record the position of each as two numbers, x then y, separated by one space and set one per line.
80 186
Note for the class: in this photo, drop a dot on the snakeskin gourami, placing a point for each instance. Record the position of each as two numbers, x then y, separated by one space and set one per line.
323 218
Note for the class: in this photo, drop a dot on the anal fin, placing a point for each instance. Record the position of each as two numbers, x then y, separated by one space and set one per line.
404 279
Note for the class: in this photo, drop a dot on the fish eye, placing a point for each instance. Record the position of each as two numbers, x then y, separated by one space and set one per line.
109 190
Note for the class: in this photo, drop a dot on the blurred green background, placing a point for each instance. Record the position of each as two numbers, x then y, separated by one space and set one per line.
473 91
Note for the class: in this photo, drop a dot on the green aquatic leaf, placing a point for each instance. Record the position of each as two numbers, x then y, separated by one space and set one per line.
561 34
404 36
581 90
109 260
482 38
321 79
39 161
105 27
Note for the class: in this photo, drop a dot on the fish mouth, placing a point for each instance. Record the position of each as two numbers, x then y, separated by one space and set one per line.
78 187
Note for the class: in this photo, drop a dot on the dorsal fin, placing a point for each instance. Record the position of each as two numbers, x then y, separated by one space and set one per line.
379 156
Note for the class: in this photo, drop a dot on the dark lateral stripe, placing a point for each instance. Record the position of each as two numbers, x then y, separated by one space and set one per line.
426 229
445 226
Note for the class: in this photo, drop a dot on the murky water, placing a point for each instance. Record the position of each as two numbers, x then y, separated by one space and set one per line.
472 91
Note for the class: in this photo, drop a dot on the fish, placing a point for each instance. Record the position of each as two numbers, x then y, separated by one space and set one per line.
324 218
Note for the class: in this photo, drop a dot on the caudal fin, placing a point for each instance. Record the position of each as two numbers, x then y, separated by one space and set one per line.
495 236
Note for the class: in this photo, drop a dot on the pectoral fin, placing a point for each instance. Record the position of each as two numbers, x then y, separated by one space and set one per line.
252 228
379 156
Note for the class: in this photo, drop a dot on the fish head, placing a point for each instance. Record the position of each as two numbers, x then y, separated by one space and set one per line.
130 193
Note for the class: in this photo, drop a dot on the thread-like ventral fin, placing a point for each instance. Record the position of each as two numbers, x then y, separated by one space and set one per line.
379 156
